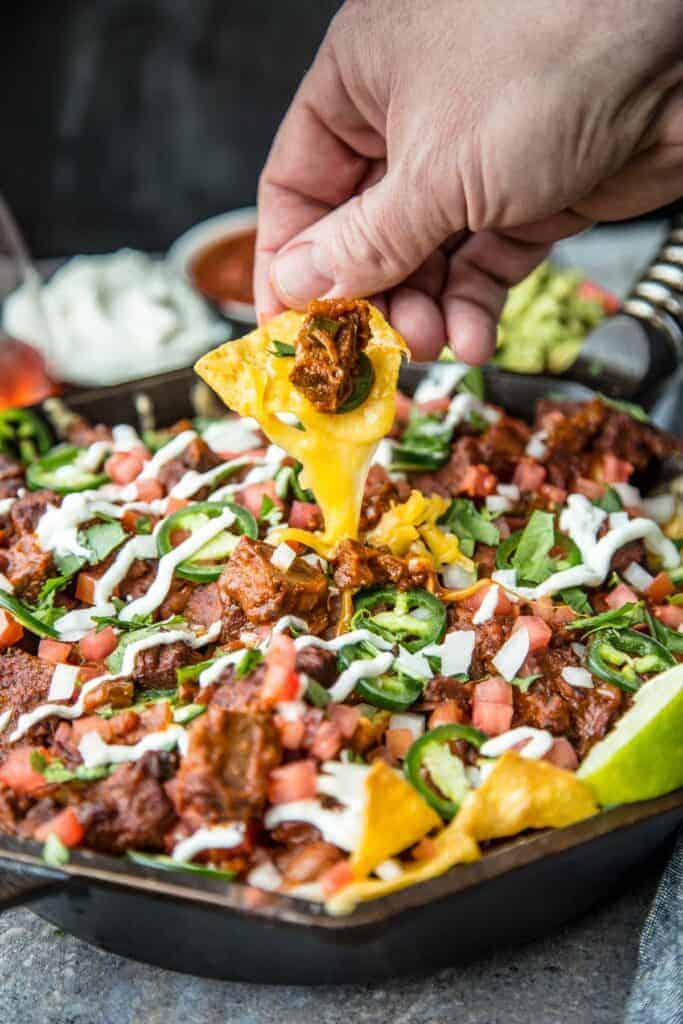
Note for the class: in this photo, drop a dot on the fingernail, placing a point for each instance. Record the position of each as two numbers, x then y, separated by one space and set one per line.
302 273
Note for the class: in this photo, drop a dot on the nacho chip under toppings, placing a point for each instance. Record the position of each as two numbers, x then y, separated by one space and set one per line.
518 794
395 816
252 376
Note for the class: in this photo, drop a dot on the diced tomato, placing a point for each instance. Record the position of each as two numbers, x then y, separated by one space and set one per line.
424 850
17 773
85 587
94 723
251 456
292 731
492 719
492 706
670 614
251 497
503 605
562 754
621 595
140 452
493 690
327 741
596 293
660 587
64 825
434 405
336 878
123 467
613 470
148 490
281 682
404 406
529 475
175 505
590 489
54 650
556 615
447 713
399 742
305 515
347 718
551 493
291 782
478 481
97 646
11 631
538 631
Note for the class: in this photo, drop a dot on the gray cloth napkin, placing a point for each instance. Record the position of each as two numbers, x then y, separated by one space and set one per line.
657 993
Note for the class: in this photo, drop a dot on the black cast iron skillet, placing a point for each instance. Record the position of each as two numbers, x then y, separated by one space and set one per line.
208 927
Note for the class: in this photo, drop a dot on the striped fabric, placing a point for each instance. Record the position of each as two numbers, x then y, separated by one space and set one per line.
657 993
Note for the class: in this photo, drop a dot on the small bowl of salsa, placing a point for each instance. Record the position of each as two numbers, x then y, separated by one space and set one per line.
217 257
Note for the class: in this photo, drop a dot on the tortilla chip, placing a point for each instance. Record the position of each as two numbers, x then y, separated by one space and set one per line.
395 817
517 795
335 450
451 847
520 794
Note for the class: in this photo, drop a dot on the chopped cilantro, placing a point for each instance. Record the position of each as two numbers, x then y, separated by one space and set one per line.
469 524
524 682
610 501
577 598
281 350
250 660
143 525
531 556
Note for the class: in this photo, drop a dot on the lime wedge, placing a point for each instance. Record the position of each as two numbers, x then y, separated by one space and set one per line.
643 755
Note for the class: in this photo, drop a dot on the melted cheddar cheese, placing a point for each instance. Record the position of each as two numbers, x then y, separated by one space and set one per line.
334 449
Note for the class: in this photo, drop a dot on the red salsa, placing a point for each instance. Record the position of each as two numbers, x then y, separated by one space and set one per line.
224 269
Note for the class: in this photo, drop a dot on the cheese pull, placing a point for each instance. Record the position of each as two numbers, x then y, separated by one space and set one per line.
334 449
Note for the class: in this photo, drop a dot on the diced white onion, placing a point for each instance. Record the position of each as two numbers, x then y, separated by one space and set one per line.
63 682
487 608
455 578
577 676
389 870
638 577
512 654
407 720
455 652
536 447
282 557
539 743
580 650
510 491
498 504
414 664
265 876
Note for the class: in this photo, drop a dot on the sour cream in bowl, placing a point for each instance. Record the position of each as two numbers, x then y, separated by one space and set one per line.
115 317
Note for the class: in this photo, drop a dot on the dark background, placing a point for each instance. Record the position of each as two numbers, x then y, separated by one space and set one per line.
126 121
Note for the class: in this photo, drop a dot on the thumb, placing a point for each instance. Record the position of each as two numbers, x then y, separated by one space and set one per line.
370 243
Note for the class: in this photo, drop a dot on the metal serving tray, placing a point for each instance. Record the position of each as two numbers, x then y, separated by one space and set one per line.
203 926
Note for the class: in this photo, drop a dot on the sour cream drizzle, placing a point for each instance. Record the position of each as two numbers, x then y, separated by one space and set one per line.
219 837
581 521
346 784
73 711
160 587
96 753
176 446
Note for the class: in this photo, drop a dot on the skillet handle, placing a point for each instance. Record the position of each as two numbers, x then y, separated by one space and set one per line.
22 883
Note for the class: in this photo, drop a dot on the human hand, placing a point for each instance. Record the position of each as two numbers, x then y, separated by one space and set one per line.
435 151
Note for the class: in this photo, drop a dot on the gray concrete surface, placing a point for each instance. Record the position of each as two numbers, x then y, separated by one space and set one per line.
581 974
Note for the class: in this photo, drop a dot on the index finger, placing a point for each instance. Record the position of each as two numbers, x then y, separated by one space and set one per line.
318 159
